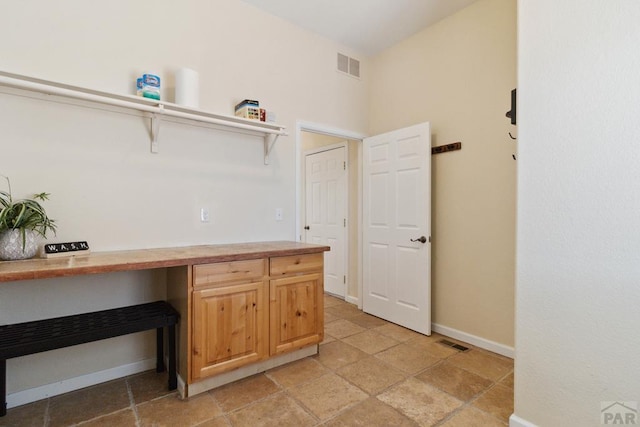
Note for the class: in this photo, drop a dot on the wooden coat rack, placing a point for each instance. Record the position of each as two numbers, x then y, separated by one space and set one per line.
445 148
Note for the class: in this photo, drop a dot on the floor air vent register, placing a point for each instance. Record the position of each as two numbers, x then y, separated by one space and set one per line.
454 345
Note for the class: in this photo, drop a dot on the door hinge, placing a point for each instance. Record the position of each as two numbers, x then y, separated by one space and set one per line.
344 165
344 280
344 222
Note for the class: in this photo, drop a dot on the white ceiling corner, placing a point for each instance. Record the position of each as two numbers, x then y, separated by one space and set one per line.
367 26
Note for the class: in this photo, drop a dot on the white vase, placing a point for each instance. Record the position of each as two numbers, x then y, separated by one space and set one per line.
11 247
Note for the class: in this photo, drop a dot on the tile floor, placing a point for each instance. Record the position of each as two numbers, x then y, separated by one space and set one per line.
368 372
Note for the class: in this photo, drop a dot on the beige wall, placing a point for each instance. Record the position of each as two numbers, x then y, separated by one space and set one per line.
458 75
106 186
108 189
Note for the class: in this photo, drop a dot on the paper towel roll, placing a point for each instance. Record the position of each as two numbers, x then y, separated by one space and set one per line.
187 88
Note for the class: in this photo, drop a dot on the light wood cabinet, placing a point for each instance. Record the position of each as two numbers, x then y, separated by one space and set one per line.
296 317
245 311
230 316
244 307
295 264
230 327
220 273
296 302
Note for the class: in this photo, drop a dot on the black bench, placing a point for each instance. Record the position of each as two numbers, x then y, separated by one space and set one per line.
26 338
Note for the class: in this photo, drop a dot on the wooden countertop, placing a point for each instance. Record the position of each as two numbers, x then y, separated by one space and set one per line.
142 259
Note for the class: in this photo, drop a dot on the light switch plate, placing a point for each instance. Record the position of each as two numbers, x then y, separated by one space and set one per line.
204 215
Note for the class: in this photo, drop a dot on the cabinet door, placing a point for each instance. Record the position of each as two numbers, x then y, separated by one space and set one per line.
296 312
230 327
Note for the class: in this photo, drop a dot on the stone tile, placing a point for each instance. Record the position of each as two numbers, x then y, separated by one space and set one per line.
149 385
242 392
216 422
371 375
30 415
368 321
371 412
328 318
431 346
407 359
472 417
327 395
331 301
498 401
342 328
370 342
419 401
276 410
88 403
507 381
483 363
433 338
337 354
297 372
124 418
170 411
396 332
327 339
456 381
343 311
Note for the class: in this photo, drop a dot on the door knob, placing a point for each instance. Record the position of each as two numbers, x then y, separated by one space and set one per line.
306 227
420 239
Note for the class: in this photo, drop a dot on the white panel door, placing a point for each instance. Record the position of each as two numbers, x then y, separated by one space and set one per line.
397 227
326 213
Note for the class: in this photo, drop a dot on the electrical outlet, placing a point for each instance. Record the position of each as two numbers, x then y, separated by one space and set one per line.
278 214
204 215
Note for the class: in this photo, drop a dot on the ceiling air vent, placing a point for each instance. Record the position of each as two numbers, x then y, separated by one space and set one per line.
343 63
354 67
348 65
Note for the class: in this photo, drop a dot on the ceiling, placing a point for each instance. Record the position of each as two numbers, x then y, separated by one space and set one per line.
367 26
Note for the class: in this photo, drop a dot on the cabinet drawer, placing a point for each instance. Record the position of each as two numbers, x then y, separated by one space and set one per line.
280 266
223 272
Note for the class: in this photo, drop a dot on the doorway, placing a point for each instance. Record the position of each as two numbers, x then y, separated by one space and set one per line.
311 139
323 136
325 219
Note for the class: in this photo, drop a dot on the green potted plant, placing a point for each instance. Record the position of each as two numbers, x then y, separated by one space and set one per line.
21 223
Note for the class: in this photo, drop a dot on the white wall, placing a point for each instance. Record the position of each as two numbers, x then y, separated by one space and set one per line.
106 186
578 269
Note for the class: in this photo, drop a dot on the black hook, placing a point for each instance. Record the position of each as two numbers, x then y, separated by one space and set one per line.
511 136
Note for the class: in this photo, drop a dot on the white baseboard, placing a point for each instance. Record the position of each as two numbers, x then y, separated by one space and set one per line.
474 340
352 300
182 387
515 421
248 370
48 390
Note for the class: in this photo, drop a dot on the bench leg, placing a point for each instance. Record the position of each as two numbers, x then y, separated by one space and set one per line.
3 387
159 350
173 380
